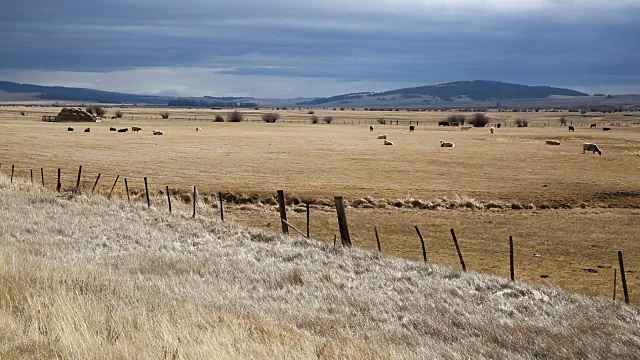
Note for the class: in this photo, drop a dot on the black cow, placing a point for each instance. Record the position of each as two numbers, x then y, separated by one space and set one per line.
443 123
571 128
592 126
606 129
87 130
123 130
498 125
113 129
69 129
412 128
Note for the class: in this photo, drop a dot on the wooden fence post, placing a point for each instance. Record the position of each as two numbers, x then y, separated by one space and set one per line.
59 185
615 283
455 241
221 206
126 187
42 175
31 173
114 186
12 168
375 230
511 264
308 220
424 248
194 201
342 221
146 189
623 277
283 212
168 199
77 189
95 183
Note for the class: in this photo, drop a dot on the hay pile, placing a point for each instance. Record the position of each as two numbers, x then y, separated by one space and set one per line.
73 114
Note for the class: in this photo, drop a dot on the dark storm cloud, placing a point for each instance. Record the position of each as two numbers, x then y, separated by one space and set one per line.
411 41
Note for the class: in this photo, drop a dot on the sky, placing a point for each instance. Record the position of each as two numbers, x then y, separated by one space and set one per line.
286 49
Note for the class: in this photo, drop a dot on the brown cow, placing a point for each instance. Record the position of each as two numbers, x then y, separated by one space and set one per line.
113 129
135 129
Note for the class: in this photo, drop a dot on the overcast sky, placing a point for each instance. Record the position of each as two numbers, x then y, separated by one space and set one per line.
306 48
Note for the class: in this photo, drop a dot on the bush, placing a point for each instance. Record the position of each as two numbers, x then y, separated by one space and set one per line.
218 118
315 119
456 118
89 109
96 110
328 119
521 123
479 120
119 114
311 112
563 121
164 114
234 116
382 121
270 118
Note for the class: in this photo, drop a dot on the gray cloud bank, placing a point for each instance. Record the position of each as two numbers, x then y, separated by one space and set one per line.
281 49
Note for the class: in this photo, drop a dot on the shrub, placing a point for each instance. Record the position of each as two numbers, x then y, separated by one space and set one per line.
456 118
521 123
270 118
234 116
89 109
311 112
315 119
96 110
563 121
382 121
479 120
218 118
119 114
164 114
328 119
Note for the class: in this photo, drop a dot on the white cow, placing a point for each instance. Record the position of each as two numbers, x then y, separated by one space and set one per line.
447 144
158 132
466 127
383 136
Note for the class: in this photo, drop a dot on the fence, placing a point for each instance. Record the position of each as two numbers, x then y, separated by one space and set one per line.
286 224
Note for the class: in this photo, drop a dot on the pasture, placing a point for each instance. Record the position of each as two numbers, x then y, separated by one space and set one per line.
581 207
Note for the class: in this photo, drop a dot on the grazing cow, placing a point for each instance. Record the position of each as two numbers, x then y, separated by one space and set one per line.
606 129
135 129
466 127
113 129
553 142
592 126
123 130
412 128
498 125
443 123
492 129
87 130
383 136
387 142
69 129
591 147
198 129
114 117
571 128
371 128
158 132
447 144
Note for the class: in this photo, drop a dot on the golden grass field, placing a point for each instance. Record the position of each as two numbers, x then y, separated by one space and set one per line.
594 200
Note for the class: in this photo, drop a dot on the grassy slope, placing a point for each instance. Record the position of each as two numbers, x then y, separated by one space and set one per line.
92 278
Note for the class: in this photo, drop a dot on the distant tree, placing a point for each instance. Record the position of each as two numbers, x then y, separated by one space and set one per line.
164 114
119 114
270 118
521 123
563 121
456 119
218 118
479 120
328 119
315 119
235 116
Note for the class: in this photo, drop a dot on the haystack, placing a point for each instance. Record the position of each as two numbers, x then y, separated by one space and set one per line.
73 114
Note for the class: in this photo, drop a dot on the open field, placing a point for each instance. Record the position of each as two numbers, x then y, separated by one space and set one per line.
92 278
593 199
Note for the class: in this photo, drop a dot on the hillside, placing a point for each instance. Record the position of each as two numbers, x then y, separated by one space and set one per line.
148 285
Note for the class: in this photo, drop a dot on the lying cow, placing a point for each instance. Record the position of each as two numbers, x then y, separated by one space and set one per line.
591 147
553 142
447 144
69 129
87 130
383 136
606 129
158 132
113 129
123 130
443 123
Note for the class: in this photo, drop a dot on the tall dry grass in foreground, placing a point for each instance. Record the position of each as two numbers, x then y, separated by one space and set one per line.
92 278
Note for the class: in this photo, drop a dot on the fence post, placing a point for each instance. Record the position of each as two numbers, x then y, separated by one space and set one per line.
126 187
42 175
31 173
59 185
95 184
114 186
221 207
511 264
77 189
342 221
283 212
168 198
615 273
375 230
455 241
194 201
623 277
308 220
146 189
12 168
424 248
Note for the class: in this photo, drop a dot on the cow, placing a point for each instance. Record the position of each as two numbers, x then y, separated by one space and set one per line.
123 130
592 126
412 128
113 129
383 136
135 129
443 123
553 142
371 128
498 125
466 127
114 117
606 129
198 129
571 128
87 130
591 147
387 142
158 132
69 129
492 129
447 144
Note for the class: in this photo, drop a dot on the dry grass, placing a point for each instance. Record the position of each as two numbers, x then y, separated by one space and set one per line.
147 285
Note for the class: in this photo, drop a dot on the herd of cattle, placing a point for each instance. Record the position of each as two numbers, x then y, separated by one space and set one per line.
134 129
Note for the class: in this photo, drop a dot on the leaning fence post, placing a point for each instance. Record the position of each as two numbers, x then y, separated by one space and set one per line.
168 198
221 206
12 168
59 185
126 187
42 175
342 221
375 230
455 241
114 186
424 248
283 212
77 189
146 189
511 264
95 183
623 277
194 201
